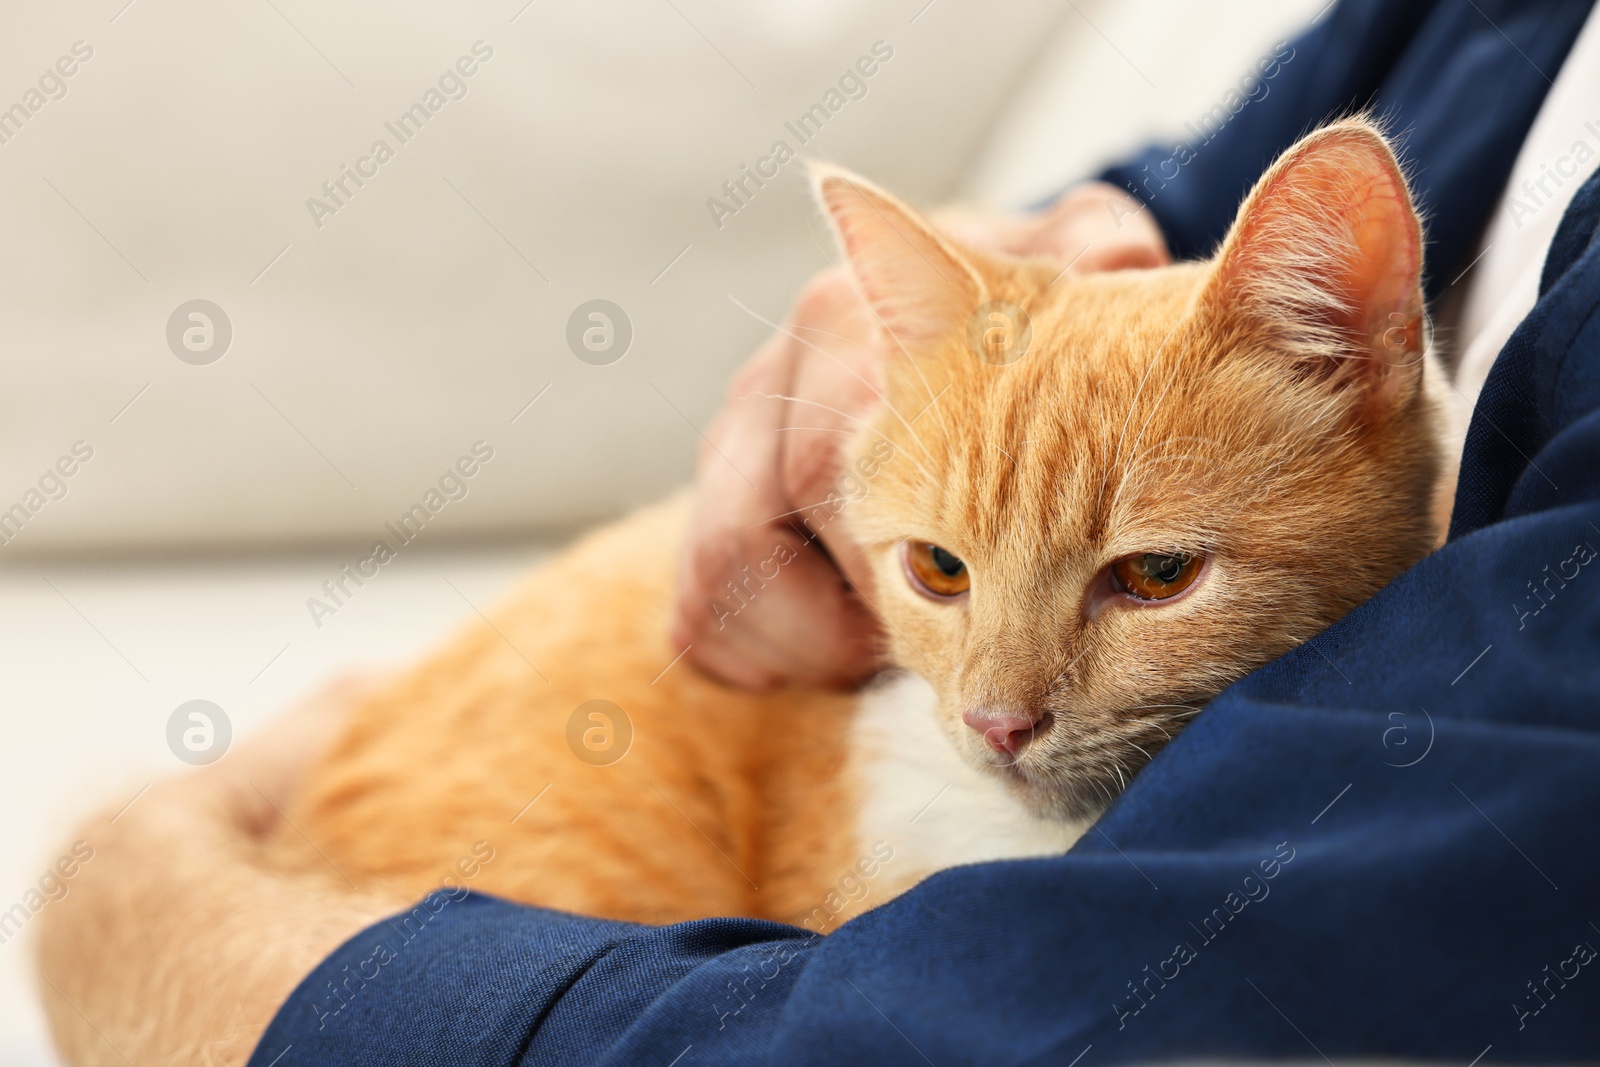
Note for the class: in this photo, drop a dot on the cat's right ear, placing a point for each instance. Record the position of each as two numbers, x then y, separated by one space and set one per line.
1326 255
918 283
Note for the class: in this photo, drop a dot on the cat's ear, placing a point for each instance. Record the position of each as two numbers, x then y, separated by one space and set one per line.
920 285
1326 255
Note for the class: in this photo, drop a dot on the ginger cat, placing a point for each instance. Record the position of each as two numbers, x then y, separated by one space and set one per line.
1187 472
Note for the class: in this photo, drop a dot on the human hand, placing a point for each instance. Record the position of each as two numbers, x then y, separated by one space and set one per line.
1094 226
772 458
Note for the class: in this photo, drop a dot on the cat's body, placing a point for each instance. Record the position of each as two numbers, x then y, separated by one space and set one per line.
725 803
1258 437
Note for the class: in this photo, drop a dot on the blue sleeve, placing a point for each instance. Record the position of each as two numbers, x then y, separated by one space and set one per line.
467 979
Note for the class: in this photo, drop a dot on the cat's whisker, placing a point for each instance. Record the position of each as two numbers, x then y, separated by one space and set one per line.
840 363
824 333
930 404
861 423
1144 461
835 429
1116 454
864 424
1177 365
808 507
1186 437
786 514
858 420
923 378
786 331
1262 480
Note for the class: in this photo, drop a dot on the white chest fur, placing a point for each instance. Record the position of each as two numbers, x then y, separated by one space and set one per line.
926 800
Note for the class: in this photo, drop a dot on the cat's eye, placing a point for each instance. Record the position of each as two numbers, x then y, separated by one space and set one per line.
934 571
1156 575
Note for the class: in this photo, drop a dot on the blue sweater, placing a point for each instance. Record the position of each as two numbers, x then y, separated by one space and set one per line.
1383 843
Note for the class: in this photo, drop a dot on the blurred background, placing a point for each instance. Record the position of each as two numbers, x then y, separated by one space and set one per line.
253 336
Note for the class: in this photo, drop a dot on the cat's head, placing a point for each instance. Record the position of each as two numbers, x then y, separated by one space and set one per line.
1101 510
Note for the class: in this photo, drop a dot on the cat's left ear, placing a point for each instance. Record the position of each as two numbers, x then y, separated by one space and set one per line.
1326 256
919 284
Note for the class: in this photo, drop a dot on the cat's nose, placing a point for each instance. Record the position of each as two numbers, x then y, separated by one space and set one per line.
1002 732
